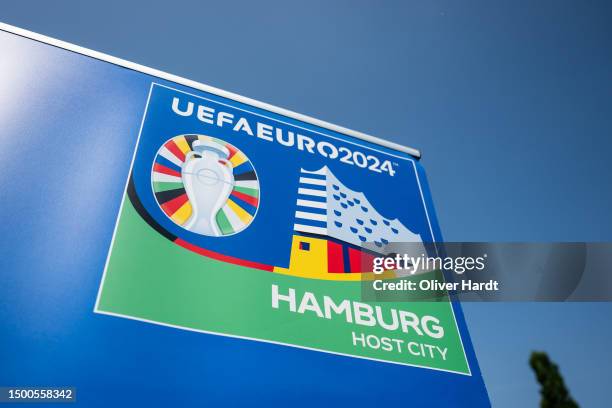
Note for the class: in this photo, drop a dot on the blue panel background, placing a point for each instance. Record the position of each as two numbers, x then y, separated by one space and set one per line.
65 149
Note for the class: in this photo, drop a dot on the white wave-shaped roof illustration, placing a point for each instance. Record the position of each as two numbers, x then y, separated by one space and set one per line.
327 207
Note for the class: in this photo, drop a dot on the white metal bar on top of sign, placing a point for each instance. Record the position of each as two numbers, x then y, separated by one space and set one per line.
197 85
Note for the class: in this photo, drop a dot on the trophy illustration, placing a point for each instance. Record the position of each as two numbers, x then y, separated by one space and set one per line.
208 179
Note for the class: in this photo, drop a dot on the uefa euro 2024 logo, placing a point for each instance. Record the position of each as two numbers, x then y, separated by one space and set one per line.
205 185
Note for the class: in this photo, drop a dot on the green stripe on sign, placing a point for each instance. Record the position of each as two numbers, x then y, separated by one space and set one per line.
223 223
165 186
249 191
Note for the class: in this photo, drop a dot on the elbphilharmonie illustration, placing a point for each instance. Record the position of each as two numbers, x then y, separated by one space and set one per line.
332 226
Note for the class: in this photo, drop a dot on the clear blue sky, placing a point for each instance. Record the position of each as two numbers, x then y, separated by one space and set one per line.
509 101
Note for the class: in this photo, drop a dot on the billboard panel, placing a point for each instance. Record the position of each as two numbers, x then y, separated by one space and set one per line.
200 212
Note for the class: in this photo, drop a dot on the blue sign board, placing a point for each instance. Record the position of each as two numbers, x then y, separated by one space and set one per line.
167 243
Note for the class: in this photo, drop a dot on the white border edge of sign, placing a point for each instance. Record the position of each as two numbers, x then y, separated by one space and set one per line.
174 326
123 196
206 88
